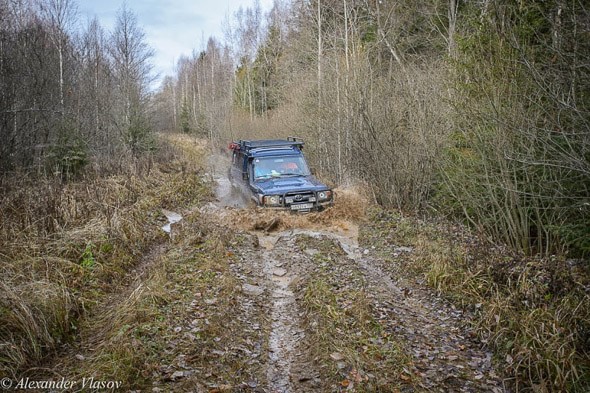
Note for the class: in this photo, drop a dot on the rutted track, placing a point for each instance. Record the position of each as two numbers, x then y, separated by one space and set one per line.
284 327
275 271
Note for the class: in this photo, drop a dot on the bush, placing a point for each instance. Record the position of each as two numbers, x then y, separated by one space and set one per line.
68 155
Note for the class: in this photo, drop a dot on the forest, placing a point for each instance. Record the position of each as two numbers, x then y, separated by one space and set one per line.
476 112
473 110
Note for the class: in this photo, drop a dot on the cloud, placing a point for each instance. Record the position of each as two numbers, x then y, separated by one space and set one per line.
173 28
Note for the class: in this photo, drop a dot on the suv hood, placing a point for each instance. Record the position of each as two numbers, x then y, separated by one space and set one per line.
281 185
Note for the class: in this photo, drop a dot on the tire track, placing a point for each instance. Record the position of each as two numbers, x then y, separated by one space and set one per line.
431 331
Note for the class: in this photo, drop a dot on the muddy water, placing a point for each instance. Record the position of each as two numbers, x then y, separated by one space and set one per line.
227 193
286 365
275 258
284 330
284 334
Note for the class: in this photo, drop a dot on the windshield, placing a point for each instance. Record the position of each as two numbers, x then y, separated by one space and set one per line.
267 167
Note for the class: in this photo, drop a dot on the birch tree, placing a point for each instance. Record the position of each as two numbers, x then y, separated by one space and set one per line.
60 15
132 68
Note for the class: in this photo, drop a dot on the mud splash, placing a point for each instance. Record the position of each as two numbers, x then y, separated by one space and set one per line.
228 195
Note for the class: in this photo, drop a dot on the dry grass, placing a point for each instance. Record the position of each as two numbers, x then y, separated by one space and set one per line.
534 313
35 315
65 246
183 317
351 347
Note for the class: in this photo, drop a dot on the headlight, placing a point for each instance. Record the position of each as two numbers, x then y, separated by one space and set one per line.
272 200
324 195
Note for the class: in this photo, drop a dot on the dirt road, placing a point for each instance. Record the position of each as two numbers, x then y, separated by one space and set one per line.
238 299
333 317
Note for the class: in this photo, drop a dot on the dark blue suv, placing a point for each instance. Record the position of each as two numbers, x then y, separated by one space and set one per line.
274 174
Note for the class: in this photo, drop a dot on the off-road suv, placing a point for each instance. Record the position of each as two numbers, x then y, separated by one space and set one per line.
274 174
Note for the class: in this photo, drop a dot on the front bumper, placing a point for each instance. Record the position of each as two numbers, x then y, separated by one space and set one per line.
303 201
303 207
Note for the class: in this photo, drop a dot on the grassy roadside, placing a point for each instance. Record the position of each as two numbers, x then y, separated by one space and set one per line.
66 246
351 348
180 329
533 312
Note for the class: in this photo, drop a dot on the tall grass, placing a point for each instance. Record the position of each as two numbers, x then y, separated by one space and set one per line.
533 312
63 246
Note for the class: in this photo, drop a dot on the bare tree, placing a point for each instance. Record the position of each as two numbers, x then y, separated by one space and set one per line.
97 89
247 35
60 15
132 68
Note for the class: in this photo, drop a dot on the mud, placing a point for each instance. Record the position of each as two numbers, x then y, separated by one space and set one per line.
445 358
284 332
227 193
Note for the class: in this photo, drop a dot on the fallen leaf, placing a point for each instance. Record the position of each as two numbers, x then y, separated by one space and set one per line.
355 375
336 356
279 272
177 375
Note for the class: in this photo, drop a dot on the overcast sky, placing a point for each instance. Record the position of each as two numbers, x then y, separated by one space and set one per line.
173 27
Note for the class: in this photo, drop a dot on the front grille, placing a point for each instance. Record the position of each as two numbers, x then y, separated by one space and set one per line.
299 197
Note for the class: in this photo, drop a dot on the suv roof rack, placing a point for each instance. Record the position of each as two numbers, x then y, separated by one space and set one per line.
291 141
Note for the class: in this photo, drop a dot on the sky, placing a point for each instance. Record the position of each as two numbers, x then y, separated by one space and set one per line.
172 27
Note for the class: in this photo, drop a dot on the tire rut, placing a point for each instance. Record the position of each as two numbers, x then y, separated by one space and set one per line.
444 354
284 332
269 269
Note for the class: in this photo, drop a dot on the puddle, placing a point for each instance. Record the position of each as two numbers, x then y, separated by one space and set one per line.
283 336
172 217
349 244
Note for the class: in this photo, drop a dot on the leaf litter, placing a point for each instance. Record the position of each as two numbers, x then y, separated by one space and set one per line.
267 301
442 354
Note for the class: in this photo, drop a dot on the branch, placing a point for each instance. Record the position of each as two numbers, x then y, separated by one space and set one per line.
15 111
